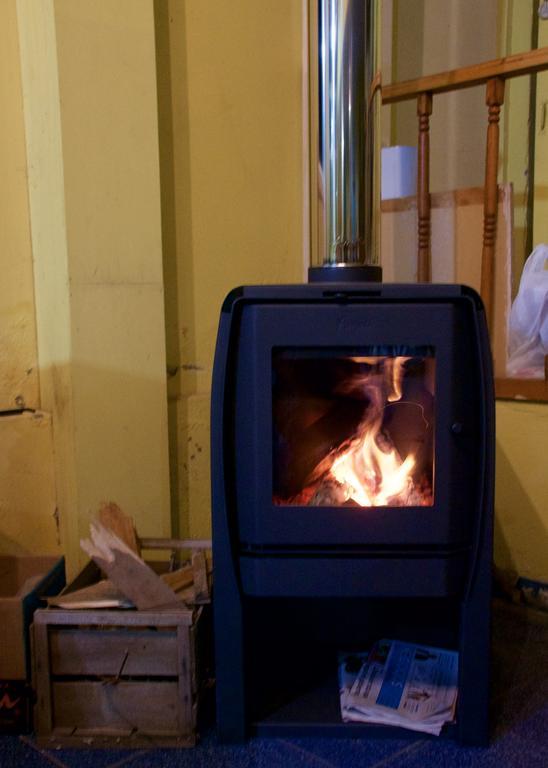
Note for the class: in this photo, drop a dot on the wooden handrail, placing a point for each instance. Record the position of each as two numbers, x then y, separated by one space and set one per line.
526 63
493 74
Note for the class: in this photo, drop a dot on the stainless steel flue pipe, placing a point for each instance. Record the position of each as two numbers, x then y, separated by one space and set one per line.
343 122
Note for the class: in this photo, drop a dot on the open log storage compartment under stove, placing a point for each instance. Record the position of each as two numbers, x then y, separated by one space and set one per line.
296 582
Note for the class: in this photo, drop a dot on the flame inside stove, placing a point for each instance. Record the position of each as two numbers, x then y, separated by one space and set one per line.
371 477
354 431
368 470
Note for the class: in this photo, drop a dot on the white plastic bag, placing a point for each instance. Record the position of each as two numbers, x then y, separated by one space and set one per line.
528 327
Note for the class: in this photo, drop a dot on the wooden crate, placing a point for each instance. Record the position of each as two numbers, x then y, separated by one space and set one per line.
115 678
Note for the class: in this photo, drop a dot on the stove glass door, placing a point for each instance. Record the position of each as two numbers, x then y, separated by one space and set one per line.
353 427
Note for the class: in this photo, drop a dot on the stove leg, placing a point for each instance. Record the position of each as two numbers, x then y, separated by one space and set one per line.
229 655
474 676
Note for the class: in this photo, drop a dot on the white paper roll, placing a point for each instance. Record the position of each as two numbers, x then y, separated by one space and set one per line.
398 172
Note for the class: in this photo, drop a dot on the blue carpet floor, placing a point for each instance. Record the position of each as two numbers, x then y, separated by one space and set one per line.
519 726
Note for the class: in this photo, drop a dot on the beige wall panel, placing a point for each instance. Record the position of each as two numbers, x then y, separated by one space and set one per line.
399 239
18 365
27 485
444 256
399 242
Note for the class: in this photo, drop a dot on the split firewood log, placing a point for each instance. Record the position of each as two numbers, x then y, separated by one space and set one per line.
118 522
127 571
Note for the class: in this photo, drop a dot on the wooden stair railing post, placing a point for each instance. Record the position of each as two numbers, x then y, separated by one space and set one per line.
494 100
424 110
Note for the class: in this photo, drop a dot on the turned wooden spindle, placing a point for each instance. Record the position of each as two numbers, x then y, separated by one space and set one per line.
494 100
424 110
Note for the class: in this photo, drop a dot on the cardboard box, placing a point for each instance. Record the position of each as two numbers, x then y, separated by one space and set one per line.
24 581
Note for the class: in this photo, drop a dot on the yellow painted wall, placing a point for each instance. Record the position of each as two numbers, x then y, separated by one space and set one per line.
521 525
28 521
444 38
231 143
28 502
90 107
230 81
18 355
109 129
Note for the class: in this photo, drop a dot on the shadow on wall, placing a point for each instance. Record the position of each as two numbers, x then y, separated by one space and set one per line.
12 547
28 503
521 537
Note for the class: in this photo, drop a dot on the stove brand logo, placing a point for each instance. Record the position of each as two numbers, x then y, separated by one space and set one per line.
348 324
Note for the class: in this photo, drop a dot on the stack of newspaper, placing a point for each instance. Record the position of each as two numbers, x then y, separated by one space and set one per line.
411 686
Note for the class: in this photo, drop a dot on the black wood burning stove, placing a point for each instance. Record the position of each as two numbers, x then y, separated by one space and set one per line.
352 462
352 447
